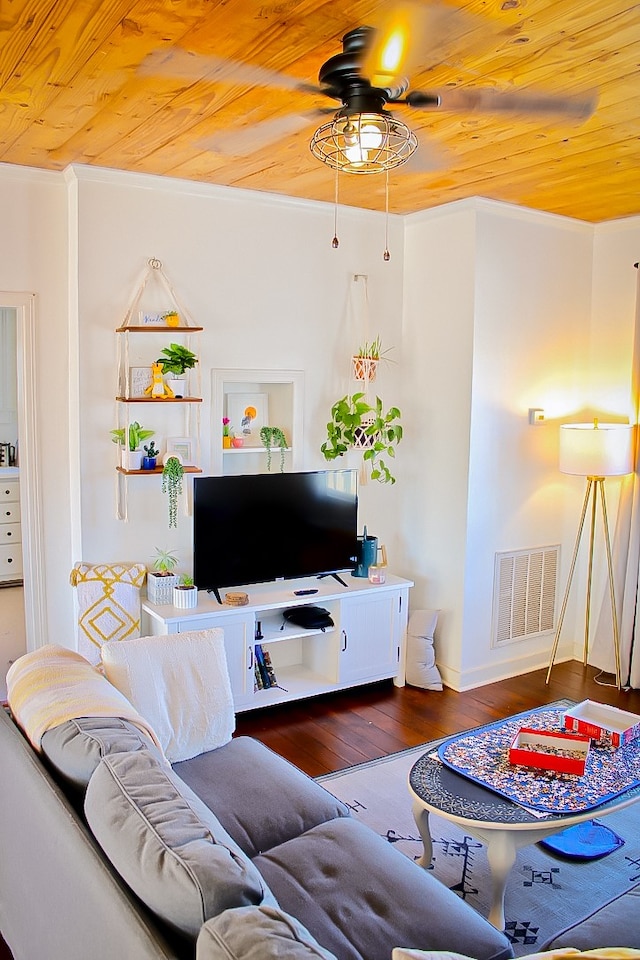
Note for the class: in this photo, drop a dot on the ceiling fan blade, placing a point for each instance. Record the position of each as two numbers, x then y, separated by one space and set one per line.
428 158
243 142
190 66
579 107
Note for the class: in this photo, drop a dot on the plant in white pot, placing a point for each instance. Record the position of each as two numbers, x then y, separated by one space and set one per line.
357 424
172 474
176 360
185 593
131 453
161 579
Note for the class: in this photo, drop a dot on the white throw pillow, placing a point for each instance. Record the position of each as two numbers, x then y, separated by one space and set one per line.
180 684
421 670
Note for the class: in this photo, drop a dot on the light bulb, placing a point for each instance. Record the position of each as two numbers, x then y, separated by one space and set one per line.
355 154
392 53
370 136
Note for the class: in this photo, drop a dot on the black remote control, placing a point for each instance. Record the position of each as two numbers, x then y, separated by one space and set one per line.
305 593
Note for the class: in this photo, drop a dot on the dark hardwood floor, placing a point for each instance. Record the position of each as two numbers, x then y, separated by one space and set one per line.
335 731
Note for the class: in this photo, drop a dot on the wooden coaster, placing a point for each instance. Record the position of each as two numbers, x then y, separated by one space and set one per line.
236 599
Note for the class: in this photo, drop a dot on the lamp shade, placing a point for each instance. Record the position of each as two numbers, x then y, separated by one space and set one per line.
596 449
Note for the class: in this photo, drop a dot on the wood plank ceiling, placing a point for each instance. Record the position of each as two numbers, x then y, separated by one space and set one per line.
127 84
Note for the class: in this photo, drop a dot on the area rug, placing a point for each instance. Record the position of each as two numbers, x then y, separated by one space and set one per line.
545 893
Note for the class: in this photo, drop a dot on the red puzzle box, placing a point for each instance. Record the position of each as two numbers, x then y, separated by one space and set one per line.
602 723
549 750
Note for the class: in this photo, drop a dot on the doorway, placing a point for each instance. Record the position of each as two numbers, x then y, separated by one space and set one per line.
23 306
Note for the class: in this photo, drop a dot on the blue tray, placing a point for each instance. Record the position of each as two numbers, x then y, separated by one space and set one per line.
482 755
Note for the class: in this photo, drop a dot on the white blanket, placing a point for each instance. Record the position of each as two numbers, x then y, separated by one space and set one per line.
51 685
181 684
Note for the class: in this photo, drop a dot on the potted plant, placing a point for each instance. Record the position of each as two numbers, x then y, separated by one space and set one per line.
365 362
185 593
161 580
172 474
355 423
131 455
273 437
177 360
171 318
150 458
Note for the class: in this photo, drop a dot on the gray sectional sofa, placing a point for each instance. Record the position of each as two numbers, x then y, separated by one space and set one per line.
109 853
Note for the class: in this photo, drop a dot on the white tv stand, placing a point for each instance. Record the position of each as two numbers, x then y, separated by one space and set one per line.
366 643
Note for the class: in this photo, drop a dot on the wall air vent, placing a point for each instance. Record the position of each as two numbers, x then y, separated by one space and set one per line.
524 594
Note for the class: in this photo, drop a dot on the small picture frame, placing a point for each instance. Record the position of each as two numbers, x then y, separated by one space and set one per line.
248 413
182 446
139 380
149 318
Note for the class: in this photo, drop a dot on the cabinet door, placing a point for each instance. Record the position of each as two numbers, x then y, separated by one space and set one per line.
238 639
369 637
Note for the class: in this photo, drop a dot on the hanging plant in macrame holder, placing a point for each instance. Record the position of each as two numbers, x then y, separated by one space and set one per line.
363 440
364 368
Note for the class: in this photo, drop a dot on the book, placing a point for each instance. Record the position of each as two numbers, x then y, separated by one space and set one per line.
259 659
269 667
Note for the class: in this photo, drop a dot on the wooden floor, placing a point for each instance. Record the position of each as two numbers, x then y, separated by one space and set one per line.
328 733
335 731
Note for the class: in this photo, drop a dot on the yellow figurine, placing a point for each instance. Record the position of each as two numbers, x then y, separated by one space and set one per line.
158 388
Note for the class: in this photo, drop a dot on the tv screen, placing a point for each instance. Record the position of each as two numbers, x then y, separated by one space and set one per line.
258 527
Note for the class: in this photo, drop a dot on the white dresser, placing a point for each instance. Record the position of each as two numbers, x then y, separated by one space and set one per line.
10 535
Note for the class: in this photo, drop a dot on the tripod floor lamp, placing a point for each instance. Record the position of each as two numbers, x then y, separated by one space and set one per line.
595 451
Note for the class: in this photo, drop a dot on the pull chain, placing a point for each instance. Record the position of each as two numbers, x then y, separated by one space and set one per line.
386 255
335 243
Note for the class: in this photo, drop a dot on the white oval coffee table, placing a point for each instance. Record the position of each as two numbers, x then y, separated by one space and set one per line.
503 826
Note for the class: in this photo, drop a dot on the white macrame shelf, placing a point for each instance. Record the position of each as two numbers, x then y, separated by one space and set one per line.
139 321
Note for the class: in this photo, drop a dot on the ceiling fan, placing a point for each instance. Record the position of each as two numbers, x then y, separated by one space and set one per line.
370 75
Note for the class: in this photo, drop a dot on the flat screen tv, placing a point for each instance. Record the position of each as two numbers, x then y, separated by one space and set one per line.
259 527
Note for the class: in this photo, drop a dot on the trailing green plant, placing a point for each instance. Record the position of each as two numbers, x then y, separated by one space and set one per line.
177 359
151 450
136 435
164 563
273 437
357 423
172 474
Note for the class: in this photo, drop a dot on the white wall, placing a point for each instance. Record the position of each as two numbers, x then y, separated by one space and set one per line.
497 312
437 365
616 250
34 258
533 304
260 274
490 309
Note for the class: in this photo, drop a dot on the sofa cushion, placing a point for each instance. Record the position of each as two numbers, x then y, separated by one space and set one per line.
360 897
180 683
258 796
257 933
74 749
184 869
616 922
